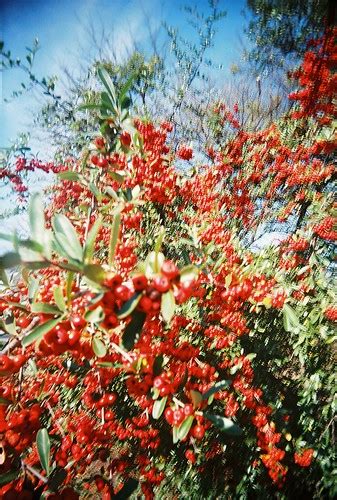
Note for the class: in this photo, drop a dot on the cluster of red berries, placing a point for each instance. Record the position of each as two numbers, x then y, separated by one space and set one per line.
304 458
185 153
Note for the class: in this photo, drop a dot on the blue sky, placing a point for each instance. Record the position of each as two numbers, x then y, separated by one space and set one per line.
60 26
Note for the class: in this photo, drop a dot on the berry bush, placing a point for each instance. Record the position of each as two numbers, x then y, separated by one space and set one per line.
147 350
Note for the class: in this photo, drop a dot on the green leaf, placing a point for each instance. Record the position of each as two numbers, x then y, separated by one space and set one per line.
114 235
112 193
95 316
107 82
67 238
189 273
69 284
175 434
129 306
184 427
37 218
43 448
84 107
89 246
59 298
56 478
168 305
6 237
129 487
94 272
158 365
95 191
42 307
33 288
216 388
7 477
133 329
10 259
3 278
99 347
31 252
117 177
290 319
9 324
69 175
159 241
153 263
159 407
38 332
224 424
196 397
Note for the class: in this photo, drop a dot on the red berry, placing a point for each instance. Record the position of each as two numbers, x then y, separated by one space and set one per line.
145 304
161 283
190 456
99 142
125 138
122 292
139 282
78 321
169 269
198 431
6 364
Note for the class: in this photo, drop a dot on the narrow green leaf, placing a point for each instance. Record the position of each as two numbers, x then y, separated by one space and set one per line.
117 177
3 278
107 82
56 479
157 247
10 325
6 237
69 175
189 273
290 319
69 284
43 448
94 272
95 191
224 424
158 365
112 193
67 237
7 477
10 259
196 397
114 235
84 107
175 434
153 263
129 487
133 329
89 246
159 241
129 306
95 316
99 347
184 427
41 307
38 332
168 305
36 218
159 407
59 298
33 288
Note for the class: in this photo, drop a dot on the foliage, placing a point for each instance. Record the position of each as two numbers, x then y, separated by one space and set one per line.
280 29
146 347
